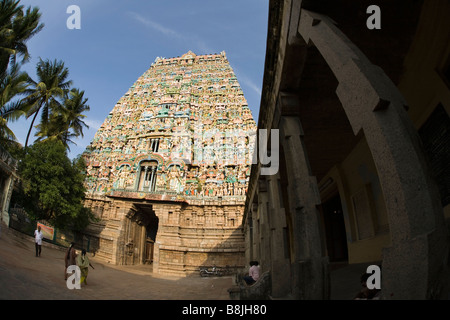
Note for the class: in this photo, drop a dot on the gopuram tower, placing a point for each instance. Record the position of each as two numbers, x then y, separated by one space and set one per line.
167 171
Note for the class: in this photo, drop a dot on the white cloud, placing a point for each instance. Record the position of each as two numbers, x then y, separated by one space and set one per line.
249 83
244 80
154 25
195 40
93 124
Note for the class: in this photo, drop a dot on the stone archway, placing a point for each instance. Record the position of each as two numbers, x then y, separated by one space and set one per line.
140 231
414 263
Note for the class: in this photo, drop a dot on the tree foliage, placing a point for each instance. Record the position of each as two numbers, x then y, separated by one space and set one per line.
66 120
48 92
60 107
52 186
17 26
12 83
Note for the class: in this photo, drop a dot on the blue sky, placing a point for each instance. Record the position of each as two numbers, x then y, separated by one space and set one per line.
119 40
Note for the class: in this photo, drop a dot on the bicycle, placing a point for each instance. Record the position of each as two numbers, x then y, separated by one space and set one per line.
215 271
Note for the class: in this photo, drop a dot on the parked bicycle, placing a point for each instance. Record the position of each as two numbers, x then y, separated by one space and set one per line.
211 272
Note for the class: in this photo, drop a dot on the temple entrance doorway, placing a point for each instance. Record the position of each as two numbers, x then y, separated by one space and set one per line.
336 239
151 230
140 234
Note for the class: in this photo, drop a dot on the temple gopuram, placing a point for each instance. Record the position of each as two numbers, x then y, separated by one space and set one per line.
167 171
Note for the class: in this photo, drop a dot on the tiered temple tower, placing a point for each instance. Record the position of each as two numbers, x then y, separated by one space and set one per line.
167 171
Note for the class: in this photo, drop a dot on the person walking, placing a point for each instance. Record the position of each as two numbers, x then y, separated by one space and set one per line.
83 263
70 258
38 236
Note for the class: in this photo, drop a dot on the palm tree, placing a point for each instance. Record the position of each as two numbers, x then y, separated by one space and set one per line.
75 105
48 92
13 83
55 129
66 120
16 28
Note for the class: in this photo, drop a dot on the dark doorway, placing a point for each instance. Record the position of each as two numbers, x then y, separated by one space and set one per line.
336 238
151 230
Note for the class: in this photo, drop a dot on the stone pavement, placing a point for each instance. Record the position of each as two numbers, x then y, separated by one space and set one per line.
27 277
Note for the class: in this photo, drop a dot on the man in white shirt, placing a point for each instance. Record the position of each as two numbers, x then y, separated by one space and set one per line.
38 240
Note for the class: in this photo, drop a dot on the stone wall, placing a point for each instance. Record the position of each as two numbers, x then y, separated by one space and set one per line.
187 236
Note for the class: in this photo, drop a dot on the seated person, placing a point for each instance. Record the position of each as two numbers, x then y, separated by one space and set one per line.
366 293
253 274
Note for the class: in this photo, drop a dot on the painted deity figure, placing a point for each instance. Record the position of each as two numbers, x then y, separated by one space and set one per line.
123 175
175 179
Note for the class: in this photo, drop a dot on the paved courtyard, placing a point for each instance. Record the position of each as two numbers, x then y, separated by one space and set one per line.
24 276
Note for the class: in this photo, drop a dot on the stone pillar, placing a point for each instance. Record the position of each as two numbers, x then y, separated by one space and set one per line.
142 244
156 256
309 266
264 239
125 217
249 233
257 234
279 264
153 180
8 189
415 265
